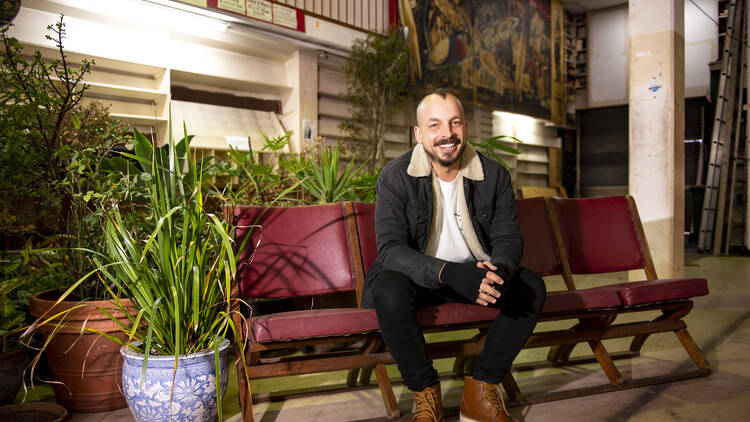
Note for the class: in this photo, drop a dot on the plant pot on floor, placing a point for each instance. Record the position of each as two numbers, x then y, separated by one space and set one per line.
12 365
194 396
33 412
86 367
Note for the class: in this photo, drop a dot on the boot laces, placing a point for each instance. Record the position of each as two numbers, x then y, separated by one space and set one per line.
426 406
494 398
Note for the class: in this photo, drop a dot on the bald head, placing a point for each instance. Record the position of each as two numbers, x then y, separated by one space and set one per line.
437 95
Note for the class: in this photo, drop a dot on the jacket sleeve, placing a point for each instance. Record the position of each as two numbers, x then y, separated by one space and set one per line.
395 251
505 236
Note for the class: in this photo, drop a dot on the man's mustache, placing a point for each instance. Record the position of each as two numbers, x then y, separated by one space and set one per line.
452 140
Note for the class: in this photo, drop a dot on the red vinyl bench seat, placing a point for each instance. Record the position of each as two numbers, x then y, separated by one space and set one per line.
299 325
649 291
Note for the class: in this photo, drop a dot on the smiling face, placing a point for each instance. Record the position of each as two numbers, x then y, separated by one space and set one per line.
440 129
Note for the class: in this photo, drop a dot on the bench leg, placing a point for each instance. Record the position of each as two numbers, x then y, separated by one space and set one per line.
463 364
351 378
511 388
386 391
467 365
365 374
245 395
693 350
605 361
459 366
667 315
673 314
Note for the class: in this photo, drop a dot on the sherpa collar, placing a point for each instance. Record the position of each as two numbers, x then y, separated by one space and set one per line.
471 166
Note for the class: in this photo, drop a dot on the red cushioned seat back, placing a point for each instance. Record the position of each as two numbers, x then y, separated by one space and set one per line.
599 234
539 247
301 251
365 217
539 253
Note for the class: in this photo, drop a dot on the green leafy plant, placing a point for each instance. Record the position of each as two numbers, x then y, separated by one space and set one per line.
57 172
364 185
491 146
273 177
260 179
179 274
37 98
321 175
376 77
22 274
94 181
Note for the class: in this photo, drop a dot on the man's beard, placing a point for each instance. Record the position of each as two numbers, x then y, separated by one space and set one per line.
447 163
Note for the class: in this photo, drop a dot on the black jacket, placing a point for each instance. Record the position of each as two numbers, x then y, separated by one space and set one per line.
403 214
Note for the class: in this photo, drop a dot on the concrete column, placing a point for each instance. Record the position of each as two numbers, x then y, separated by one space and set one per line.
300 104
657 127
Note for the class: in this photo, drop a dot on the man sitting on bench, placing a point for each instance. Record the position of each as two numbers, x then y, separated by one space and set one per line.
445 221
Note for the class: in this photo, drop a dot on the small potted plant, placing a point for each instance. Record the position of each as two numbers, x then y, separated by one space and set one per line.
178 276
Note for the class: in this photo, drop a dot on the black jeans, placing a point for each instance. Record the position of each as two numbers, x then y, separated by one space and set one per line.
397 299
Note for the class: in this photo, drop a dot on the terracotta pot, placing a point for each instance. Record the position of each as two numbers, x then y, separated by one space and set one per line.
12 365
87 365
33 412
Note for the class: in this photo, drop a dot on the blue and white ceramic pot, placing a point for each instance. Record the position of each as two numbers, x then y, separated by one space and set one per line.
194 397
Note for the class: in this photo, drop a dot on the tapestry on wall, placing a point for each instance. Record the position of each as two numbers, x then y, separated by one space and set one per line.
492 52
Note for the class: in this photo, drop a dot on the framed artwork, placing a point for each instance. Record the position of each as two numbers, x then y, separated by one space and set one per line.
497 53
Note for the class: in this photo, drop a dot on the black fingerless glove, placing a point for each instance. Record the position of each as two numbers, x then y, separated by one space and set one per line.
465 278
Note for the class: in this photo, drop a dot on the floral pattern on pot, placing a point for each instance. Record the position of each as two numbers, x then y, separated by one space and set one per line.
194 396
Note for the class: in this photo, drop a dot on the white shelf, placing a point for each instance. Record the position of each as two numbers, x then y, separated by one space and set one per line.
97 88
140 119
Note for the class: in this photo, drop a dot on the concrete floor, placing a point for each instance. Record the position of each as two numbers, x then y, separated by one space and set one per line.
719 323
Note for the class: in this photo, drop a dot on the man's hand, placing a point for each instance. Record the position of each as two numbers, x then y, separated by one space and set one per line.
477 283
487 292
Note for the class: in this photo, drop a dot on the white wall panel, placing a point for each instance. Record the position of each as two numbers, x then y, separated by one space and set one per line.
211 123
607 58
608 52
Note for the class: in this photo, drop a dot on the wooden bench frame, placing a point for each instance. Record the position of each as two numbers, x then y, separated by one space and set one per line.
593 325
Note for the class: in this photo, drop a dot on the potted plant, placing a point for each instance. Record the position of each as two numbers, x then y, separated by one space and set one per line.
178 276
376 78
55 166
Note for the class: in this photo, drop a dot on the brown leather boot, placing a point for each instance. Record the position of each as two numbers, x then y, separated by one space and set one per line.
483 402
428 405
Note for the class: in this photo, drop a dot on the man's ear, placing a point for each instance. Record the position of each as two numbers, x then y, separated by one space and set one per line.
418 134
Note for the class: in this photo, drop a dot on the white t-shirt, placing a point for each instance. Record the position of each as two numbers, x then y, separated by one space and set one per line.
451 245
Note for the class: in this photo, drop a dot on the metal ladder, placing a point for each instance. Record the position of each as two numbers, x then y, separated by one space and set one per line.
736 227
736 223
737 158
721 136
